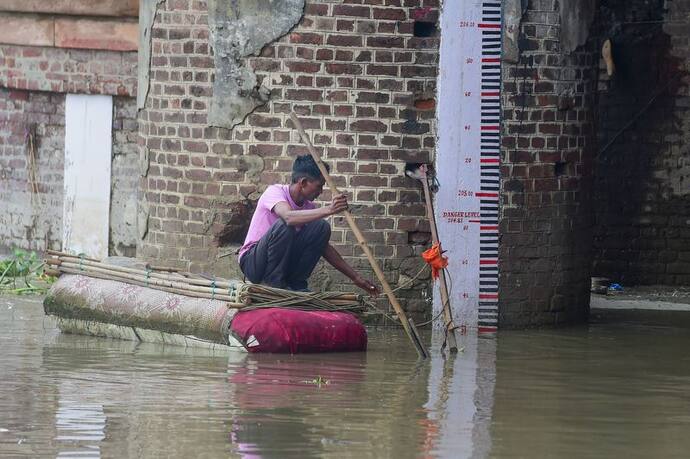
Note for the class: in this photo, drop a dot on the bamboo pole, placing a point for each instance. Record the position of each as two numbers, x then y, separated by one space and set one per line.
125 269
165 289
163 268
280 302
64 254
445 297
122 274
256 289
362 242
200 287
254 293
150 282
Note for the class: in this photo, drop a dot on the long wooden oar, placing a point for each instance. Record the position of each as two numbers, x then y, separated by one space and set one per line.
414 337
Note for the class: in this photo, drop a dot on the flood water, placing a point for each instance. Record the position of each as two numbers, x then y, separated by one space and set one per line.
619 387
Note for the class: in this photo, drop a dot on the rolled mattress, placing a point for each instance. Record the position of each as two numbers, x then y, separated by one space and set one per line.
88 305
113 309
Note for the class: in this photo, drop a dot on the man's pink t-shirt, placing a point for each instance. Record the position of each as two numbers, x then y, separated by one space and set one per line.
264 217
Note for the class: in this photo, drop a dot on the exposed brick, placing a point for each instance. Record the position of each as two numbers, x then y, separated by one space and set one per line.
351 10
373 97
385 42
265 150
348 69
388 70
344 40
368 126
316 9
368 180
365 112
304 53
345 25
354 102
306 38
304 67
324 54
304 94
392 14
196 147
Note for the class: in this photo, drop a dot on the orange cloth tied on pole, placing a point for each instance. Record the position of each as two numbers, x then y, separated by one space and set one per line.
435 259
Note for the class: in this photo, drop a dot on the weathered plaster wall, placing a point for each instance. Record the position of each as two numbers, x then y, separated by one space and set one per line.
240 29
147 13
642 186
68 70
548 145
31 220
34 220
105 8
363 85
33 81
125 179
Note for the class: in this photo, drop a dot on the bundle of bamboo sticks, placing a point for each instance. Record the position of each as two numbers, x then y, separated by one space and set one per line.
235 293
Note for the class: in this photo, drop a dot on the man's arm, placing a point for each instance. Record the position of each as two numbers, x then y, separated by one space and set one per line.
302 217
333 257
299 217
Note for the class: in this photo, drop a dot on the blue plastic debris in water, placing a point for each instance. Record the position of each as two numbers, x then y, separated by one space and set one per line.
616 287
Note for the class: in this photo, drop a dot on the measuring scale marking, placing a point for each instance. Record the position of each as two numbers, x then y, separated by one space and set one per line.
468 162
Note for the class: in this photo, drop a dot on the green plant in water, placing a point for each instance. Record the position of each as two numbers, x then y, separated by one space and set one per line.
19 273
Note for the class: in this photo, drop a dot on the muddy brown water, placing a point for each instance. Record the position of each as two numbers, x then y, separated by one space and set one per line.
619 387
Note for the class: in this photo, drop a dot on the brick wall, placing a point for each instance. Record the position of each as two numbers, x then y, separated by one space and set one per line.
125 176
33 83
27 219
547 153
361 83
33 220
77 71
642 186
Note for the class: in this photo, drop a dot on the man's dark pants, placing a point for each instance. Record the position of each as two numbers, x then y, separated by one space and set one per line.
285 257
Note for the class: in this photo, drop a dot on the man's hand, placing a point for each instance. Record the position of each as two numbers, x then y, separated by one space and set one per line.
367 286
338 204
333 257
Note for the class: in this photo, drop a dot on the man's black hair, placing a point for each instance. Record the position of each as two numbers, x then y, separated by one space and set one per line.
305 167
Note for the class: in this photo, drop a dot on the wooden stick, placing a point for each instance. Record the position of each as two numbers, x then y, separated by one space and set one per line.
165 289
63 254
153 280
158 275
175 277
150 282
162 268
445 298
361 241
197 287
124 273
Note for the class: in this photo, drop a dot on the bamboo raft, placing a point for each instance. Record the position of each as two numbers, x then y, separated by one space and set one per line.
236 294
163 305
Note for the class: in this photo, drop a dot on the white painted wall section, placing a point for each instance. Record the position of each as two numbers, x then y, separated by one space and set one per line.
88 153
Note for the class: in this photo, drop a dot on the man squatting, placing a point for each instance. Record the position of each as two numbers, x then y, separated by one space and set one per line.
288 234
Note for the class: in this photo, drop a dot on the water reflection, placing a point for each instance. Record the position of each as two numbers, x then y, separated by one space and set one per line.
606 390
80 427
94 397
309 406
146 400
461 398
612 389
